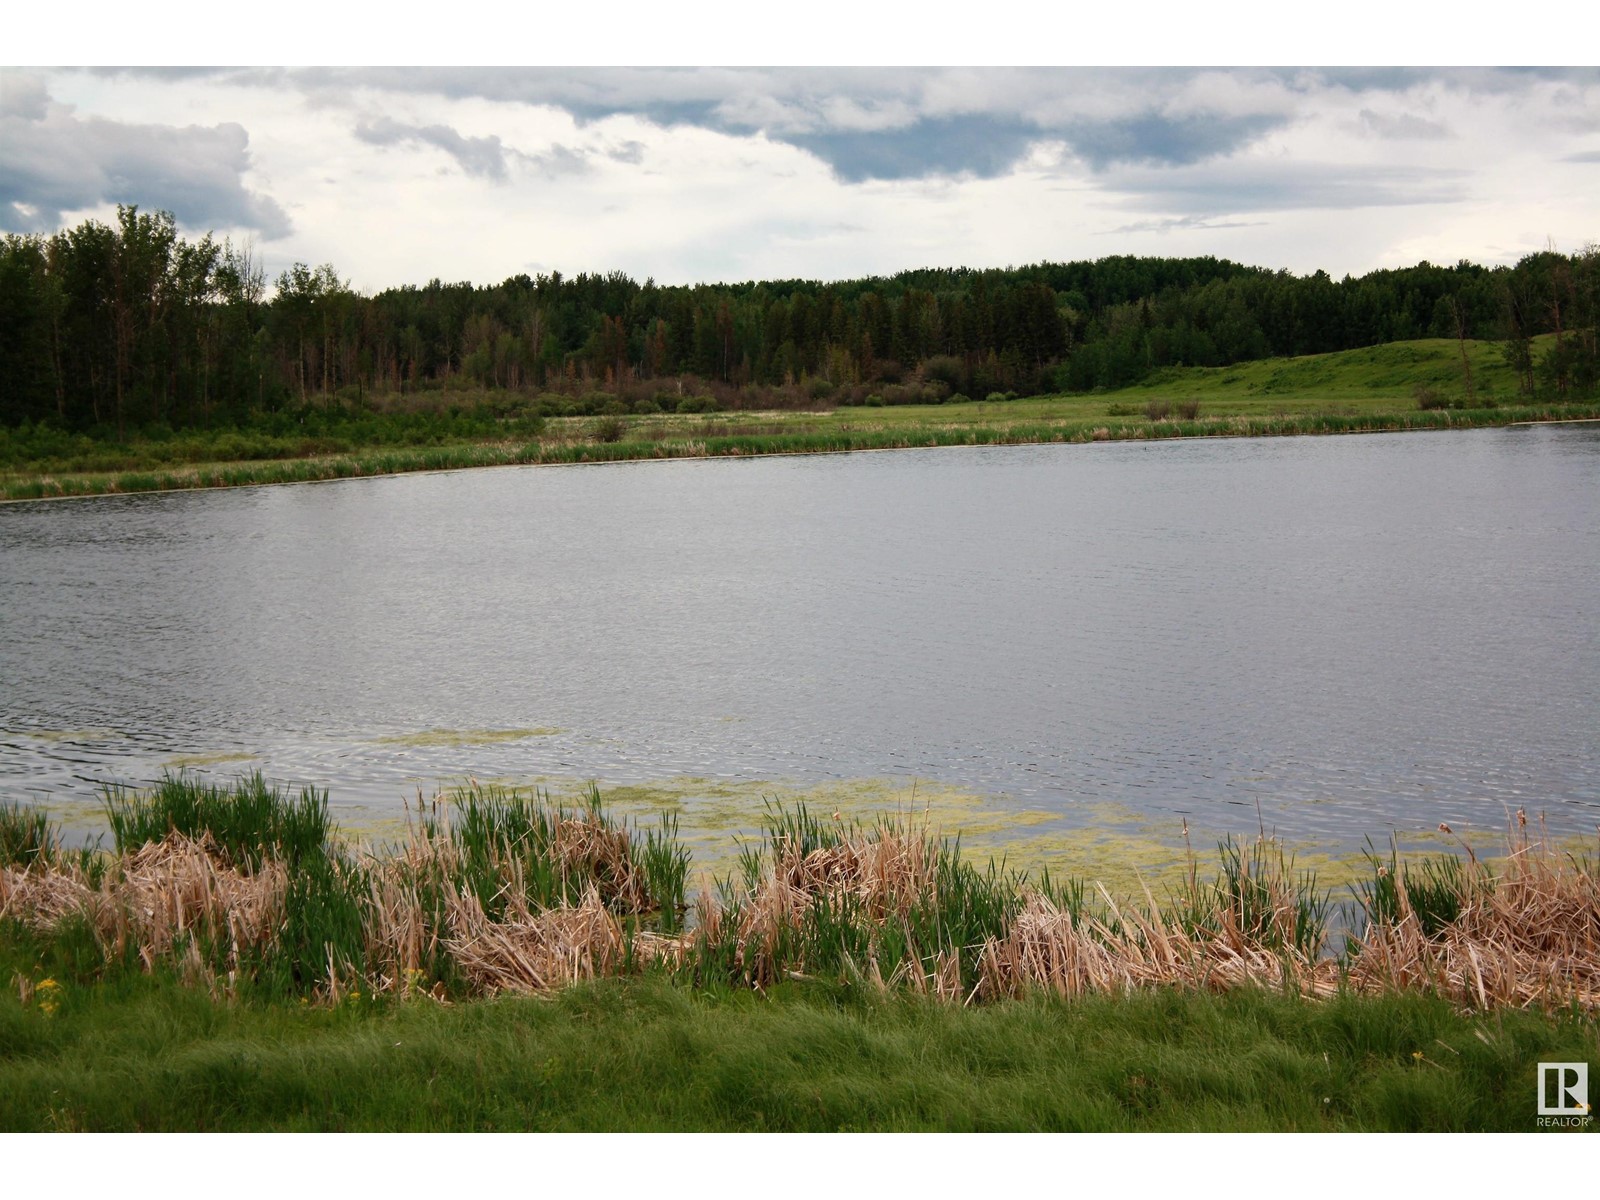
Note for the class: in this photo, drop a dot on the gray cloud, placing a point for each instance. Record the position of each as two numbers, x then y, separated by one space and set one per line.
53 162
483 157
906 123
1168 224
1401 126
1176 141
557 161
980 145
173 73
1483 80
59 164
23 95
890 123
1226 189
878 123
1588 156
989 146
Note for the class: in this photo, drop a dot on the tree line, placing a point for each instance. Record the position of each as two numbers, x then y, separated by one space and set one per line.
109 328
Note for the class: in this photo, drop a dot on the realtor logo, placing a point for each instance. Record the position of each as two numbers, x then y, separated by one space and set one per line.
1564 1091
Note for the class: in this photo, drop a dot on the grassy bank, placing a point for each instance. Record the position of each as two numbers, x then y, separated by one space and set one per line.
230 963
144 1052
1381 388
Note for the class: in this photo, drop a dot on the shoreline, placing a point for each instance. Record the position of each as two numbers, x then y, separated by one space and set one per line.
577 454
496 890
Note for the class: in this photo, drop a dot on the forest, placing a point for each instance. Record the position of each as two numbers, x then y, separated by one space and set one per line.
113 330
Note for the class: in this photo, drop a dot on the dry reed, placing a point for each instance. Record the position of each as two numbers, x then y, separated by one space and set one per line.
175 891
43 895
889 903
886 869
561 898
536 951
1072 954
1526 935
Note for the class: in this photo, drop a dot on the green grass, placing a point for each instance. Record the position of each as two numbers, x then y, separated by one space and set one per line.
145 1053
1247 881
1382 374
250 819
841 932
1434 888
27 835
1348 391
511 840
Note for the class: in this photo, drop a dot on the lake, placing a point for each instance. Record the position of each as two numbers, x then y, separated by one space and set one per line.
1330 637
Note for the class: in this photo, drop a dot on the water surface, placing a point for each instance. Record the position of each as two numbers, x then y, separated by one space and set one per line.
1354 634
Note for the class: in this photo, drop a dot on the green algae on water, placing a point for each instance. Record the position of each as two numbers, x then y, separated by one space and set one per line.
184 761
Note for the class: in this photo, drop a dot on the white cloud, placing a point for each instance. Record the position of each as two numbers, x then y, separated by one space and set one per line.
396 176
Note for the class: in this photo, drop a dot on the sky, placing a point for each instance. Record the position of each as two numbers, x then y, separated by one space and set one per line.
685 173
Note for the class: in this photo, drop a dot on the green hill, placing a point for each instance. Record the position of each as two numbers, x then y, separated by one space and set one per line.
1388 373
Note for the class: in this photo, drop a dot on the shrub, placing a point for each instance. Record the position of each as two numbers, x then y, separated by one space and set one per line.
646 406
1157 410
609 428
1188 409
697 404
594 404
1429 398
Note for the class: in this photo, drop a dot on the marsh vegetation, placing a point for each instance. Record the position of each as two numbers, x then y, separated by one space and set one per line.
248 889
518 963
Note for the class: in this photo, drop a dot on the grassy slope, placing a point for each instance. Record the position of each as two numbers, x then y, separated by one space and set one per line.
146 1053
1373 378
1328 393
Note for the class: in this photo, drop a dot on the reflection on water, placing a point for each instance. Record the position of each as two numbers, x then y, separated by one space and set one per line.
1355 634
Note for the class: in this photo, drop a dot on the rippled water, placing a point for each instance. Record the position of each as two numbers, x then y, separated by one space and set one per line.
1355 633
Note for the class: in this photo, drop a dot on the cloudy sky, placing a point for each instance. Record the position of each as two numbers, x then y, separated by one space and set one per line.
685 173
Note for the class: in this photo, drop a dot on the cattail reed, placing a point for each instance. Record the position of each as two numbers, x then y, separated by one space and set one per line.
495 889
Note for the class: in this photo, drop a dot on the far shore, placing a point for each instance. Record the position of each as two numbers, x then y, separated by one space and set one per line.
579 441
